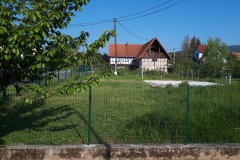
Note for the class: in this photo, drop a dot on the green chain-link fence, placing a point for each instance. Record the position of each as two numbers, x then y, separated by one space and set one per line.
126 110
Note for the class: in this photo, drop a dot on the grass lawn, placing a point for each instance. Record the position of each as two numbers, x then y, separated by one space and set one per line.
126 110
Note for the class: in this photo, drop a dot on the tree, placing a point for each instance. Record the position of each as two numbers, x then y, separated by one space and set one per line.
31 45
186 49
93 57
106 58
195 42
184 61
215 59
232 67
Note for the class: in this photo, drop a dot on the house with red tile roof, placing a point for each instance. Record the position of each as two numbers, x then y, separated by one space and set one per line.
235 50
149 56
198 54
237 54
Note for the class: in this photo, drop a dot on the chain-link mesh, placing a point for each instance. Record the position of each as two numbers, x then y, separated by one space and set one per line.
126 109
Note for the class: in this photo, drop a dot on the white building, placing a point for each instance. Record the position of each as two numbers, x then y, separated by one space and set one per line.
149 56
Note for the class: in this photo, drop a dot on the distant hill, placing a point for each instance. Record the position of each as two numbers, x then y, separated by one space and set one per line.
234 48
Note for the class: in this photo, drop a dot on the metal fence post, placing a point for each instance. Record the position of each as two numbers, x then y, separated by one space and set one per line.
187 114
89 115
58 76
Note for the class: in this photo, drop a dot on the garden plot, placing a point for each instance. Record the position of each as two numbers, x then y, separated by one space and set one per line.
164 83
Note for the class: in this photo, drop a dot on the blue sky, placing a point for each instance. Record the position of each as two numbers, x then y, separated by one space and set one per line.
200 18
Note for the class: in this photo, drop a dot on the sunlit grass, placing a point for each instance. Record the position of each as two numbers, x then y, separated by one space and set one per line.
125 110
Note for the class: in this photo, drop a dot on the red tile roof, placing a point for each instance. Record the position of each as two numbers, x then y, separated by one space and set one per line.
125 50
135 51
237 54
201 48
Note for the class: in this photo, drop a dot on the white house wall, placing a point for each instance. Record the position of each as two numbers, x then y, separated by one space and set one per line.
124 61
161 64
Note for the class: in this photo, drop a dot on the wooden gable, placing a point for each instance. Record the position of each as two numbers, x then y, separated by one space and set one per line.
152 50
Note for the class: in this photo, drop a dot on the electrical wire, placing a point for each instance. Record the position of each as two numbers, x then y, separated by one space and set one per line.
91 23
144 10
140 37
154 11
134 14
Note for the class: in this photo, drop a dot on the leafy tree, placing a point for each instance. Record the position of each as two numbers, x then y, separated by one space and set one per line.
195 42
31 44
106 58
215 59
184 61
186 49
232 66
93 57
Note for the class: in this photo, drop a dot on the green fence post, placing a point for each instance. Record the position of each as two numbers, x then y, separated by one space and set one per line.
58 76
187 114
89 115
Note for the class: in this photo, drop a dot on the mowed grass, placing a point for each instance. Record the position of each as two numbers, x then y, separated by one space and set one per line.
126 110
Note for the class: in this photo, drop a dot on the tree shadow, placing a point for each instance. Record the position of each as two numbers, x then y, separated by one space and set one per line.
107 154
78 132
34 117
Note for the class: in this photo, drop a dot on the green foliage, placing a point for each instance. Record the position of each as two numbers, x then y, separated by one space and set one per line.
188 46
31 44
232 66
125 111
91 56
184 60
215 58
195 42
217 61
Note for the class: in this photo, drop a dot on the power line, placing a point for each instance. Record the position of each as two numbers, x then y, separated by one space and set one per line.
134 14
144 10
140 37
91 23
153 12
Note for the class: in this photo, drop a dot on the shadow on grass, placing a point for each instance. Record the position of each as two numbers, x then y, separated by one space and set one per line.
34 117
107 146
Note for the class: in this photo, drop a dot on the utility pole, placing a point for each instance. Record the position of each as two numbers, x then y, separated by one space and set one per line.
174 56
115 41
